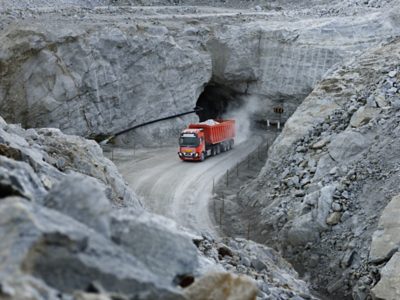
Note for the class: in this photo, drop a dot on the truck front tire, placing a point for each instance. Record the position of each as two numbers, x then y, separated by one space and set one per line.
202 156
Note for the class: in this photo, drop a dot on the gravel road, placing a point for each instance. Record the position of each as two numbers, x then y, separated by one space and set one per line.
176 189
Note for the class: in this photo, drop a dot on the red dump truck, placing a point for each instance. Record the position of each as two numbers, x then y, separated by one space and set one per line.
205 139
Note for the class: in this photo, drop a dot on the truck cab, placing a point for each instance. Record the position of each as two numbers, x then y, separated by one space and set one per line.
192 145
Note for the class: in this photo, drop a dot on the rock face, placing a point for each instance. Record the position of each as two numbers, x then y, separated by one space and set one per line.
81 85
320 149
100 72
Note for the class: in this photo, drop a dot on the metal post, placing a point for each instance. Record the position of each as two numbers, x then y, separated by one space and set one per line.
223 203
213 189
215 209
227 177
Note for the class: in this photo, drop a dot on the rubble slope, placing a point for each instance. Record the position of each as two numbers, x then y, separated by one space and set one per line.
335 167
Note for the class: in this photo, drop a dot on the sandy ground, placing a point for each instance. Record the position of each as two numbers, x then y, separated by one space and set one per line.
176 189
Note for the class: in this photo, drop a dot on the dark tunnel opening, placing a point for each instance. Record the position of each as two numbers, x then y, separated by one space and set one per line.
216 100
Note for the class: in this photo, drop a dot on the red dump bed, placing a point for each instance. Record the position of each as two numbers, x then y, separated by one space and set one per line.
217 133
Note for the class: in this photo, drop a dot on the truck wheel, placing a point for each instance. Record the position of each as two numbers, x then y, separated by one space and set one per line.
213 151
218 149
202 156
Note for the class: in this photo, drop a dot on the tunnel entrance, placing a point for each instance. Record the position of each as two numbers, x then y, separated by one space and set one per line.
216 100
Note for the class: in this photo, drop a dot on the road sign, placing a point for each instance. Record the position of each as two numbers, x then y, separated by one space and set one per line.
278 110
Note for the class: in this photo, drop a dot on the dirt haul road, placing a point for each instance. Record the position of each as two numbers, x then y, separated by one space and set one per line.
176 189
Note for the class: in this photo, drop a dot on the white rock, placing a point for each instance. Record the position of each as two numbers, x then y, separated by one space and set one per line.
389 285
387 237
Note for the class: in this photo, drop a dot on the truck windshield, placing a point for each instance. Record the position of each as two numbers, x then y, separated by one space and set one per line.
189 141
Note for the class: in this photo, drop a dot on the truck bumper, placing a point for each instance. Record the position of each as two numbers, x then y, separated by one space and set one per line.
187 157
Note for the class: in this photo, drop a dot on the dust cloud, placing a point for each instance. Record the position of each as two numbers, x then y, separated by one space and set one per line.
243 116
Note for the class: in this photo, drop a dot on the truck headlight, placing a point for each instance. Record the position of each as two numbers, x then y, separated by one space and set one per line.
196 155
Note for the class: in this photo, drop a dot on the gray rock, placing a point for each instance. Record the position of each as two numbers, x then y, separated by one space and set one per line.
325 164
389 285
258 264
18 179
392 73
40 150
363 116
320 144
82 198
312 198
43 240
347 145
333 218
245 261
336 207
158 242
386 239
86 157
303 230
324 205
381 101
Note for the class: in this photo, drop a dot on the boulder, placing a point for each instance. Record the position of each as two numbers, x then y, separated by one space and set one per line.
306 228
320 144
388 287
325 164
363 115
346 146
303 230
17 178
333 218
68 256
157 241
386 239
82 198
222 286
325 199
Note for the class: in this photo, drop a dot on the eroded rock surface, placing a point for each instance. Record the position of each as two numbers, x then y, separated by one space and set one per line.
97 72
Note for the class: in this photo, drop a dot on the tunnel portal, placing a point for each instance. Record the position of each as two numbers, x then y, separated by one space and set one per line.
216 100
